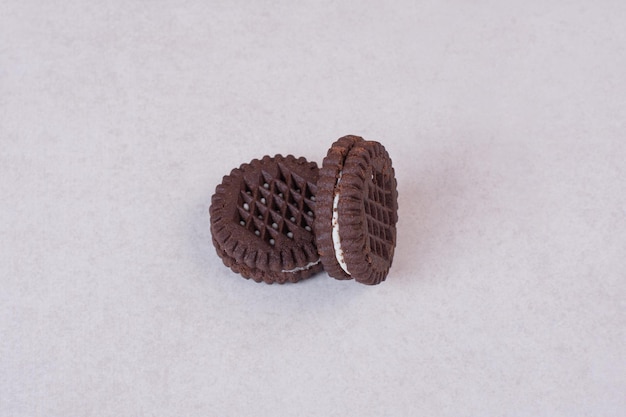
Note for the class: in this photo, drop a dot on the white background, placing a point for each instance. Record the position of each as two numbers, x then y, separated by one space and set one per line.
506 122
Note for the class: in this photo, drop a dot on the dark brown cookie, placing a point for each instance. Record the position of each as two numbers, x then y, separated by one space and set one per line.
262 217
357 211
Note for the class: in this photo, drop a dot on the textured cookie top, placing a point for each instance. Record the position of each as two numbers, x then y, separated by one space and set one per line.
358 177
262 217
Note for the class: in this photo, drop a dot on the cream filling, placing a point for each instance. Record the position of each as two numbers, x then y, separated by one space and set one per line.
301 268
335 233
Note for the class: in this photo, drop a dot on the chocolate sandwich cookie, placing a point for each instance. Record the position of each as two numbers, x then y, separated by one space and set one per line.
262 218
357 211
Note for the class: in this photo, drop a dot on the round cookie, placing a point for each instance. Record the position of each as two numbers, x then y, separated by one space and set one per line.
357 211
262 217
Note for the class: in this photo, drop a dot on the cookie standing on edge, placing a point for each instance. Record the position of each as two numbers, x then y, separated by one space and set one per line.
262 217
357 211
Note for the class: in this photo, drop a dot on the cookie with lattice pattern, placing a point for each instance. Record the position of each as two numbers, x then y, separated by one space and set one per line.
262 218
357 211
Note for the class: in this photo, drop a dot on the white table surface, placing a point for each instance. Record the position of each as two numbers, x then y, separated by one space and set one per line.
506 122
